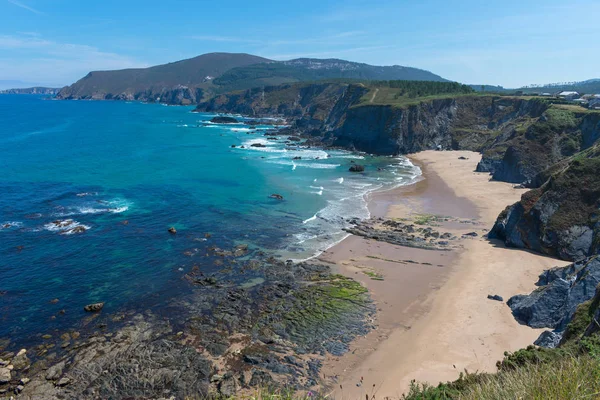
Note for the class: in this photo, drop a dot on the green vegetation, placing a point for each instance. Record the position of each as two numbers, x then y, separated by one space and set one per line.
405 93
374 275
578 190
426 219
314 70
414 89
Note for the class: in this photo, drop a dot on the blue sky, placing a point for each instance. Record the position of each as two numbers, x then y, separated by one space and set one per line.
510 43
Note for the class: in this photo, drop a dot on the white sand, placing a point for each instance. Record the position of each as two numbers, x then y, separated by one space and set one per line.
434 337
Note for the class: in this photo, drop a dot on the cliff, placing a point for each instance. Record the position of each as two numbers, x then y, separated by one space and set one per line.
32 90
519 137
560 218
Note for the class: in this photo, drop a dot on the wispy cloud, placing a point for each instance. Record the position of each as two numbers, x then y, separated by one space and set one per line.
333 38
222 39
26 57
24 6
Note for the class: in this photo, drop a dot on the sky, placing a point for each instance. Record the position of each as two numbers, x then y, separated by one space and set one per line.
510 43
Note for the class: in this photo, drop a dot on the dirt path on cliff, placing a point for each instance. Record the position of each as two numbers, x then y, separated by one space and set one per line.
374 94
434 318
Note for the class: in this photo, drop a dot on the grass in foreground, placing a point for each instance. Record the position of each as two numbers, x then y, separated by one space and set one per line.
569 378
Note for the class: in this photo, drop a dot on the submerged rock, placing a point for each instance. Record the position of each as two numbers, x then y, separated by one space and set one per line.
276 196
94 307
356 168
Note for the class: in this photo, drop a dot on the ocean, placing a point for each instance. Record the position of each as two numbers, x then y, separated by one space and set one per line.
89 190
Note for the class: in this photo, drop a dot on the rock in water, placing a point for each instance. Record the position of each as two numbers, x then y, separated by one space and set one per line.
224 120
356 168
276 196
172 230
94 307
257 145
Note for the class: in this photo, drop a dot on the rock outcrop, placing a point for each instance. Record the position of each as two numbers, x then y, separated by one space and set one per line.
554 304
561 218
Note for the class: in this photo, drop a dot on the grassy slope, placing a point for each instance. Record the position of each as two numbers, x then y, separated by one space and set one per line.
185 72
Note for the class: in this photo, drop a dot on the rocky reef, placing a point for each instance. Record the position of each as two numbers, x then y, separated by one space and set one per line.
561 218
257 322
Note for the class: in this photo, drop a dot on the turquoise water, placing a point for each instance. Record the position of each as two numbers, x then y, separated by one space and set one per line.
124 173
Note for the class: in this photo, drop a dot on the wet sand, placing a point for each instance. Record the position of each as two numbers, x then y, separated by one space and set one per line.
434 319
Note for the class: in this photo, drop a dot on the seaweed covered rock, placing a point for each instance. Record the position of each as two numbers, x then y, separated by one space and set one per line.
562 217
561 292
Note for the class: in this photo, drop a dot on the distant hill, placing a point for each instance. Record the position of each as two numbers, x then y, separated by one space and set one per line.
178 82
32 90
196 79
591 86
489 88
312 69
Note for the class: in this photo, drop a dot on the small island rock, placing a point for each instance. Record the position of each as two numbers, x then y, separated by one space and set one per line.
356 168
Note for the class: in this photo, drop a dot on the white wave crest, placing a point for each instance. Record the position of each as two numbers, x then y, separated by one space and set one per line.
66 227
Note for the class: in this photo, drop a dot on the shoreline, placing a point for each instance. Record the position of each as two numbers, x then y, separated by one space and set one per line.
434 319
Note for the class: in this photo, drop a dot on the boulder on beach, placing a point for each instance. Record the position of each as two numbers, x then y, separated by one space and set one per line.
356 168
95 307
224 120
276 196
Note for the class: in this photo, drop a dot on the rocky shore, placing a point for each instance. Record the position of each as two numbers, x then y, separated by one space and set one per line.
419 233
272 327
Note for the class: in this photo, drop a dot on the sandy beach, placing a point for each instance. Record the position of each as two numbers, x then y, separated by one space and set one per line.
434 319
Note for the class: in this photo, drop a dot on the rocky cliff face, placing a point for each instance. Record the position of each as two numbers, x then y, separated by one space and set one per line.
32 90
336 114
554 304
534 144
519 138
562 217
180 95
